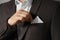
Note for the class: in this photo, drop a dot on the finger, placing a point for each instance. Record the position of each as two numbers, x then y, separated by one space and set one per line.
21 19
12 21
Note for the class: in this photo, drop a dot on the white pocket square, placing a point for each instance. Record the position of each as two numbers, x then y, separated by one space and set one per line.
37 20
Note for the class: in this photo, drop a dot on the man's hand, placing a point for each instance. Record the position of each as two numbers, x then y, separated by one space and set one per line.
19 16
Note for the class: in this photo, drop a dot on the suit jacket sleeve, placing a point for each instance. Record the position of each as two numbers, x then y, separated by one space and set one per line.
9 33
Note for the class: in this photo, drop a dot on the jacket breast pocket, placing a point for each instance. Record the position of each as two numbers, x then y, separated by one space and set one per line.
37 27
36 30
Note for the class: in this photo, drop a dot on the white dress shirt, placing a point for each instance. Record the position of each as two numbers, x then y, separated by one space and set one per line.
26 5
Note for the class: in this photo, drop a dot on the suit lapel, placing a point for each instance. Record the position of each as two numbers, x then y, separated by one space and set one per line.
35 6
12 7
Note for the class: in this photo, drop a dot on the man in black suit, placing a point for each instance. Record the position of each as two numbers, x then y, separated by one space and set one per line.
47 27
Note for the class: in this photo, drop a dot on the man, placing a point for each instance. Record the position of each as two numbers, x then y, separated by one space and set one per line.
37 20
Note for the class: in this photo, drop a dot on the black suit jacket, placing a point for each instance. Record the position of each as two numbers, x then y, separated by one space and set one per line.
47 10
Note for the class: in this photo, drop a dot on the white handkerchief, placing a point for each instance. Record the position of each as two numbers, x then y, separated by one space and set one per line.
37 20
